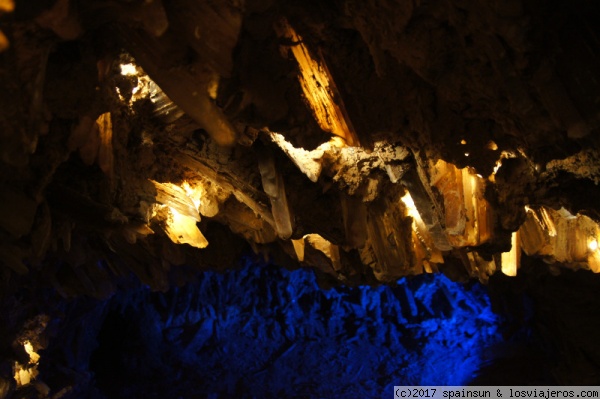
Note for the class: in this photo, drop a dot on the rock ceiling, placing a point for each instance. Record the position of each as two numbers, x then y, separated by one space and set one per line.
367 140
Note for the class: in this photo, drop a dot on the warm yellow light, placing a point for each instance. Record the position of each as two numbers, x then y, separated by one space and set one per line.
319 89
466 154
511 259
299 249
128 70
463 142
24 374
410 205
593 244
33 356
492 146
330 250
182 229
194 193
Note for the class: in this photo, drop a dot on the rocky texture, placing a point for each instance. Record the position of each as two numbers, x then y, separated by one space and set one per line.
369 140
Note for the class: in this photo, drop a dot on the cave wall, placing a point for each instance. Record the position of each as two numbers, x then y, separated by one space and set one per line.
484 113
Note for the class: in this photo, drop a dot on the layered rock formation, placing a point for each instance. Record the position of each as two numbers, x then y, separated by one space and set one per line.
368 140
132 129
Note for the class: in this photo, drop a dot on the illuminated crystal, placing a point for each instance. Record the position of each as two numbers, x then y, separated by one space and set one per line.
468 215
389 248
177 198
24 374
309 162
319 88
274 187
327 248
511 260
182 229
422 201
424 247
299 249
559 236
189 88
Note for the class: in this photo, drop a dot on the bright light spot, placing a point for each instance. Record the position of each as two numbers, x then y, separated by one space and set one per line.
25 373
193 193
213 87
593 244
128 70
492 146
410 204
182 229
466 154
411 210
463 142
511 259
480 176
33 356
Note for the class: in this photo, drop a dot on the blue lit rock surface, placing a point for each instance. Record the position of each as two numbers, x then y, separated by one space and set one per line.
265 332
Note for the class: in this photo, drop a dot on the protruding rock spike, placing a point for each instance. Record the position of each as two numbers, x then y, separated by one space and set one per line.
176 197
299 249
182 229
188 86
327 248
274 187
319 88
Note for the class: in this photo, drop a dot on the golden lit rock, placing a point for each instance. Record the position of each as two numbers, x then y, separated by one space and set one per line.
24 374
327 248
188 87
182 229
389 250
176 197
309 162
424 246
511 260
299 249
319 88
274 187
559 236
468 215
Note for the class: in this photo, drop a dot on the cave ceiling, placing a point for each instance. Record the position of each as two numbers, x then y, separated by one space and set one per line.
368 140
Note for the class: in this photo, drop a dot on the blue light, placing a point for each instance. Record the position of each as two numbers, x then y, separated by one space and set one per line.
263 331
